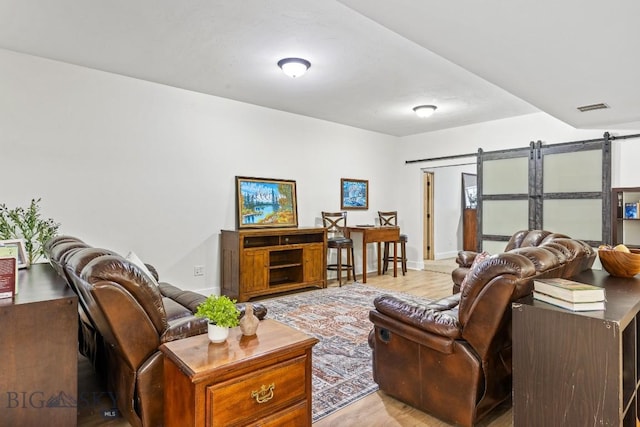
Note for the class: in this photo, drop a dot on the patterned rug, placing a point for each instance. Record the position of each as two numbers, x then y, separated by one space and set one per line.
339 318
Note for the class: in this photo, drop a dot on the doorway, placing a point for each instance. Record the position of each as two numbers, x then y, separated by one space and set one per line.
428 219
469 212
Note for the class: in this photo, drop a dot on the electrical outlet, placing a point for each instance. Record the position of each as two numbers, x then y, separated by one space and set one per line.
198 270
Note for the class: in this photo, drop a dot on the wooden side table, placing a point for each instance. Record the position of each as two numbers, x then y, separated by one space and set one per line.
264 379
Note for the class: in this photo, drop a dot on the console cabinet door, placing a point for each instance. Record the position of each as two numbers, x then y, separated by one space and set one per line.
255 270
314 269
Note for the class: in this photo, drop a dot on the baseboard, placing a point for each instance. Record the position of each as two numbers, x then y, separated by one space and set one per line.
446 255
415 265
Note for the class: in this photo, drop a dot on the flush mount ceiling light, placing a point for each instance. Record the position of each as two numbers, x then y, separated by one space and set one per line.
424 110
294 67
600 106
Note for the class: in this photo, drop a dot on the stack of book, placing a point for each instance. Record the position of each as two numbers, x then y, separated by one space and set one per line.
568 294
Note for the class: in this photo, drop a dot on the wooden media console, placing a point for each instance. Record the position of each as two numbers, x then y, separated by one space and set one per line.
258 262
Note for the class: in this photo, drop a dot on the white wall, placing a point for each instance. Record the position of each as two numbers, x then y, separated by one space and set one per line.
625 157
495 135
447 192
131 165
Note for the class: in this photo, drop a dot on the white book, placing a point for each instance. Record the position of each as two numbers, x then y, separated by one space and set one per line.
573 306
569 290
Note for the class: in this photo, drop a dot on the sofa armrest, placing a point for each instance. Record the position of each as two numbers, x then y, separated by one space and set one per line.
191 300
184 327
188 299
438 317
386 327
259 310
465 258
457 276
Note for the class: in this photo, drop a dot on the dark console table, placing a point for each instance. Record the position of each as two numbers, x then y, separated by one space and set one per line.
578 368
39 351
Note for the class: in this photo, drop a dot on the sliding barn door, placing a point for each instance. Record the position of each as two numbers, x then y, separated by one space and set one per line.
563 188
572 191
503 196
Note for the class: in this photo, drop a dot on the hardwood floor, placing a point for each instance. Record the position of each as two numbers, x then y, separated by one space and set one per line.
376 409
381 410
94 401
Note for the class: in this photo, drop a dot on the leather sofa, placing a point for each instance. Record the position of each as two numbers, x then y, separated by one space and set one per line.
452 357
125 314
520 239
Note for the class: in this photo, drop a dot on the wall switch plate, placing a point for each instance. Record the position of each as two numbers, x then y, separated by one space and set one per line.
198 270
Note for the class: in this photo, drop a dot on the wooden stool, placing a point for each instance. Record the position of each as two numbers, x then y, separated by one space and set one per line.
386 257
334 222
391 218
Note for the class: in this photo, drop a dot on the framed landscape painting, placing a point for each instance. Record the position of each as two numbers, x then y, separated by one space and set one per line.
265 202
354 193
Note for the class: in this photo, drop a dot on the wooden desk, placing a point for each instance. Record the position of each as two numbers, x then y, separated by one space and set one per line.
376 235
260 380
578 368
39 351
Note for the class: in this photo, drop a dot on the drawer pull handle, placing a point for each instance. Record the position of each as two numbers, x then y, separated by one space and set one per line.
265 393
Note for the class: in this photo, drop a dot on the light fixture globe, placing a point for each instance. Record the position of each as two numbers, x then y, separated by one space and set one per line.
424 110
294 67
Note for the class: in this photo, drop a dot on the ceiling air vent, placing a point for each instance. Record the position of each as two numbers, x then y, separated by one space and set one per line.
592 107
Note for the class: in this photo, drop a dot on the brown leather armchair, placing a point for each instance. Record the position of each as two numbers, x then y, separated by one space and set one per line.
452 357
520 239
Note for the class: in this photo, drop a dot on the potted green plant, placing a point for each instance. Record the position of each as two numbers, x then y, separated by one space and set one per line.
27 224
222 314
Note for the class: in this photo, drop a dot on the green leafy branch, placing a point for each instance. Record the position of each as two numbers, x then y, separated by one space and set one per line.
27 224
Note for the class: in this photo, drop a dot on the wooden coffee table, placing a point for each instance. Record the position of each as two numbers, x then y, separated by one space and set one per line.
264 379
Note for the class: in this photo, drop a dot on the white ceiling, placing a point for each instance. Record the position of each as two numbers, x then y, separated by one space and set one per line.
372 60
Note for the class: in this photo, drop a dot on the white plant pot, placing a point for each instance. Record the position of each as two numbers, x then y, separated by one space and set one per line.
217 334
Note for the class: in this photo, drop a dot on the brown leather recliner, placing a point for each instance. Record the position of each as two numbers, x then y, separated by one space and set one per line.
127 316
134 323
452 357
58 249
520 239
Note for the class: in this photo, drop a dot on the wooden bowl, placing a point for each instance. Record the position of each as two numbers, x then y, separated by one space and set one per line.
620 264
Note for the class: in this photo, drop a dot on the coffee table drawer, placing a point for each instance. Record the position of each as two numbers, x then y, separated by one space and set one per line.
254 395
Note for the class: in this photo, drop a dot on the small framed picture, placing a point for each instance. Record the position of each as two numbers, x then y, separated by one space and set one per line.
23 261
354 193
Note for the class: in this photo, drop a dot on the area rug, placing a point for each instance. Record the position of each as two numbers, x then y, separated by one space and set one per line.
339 318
